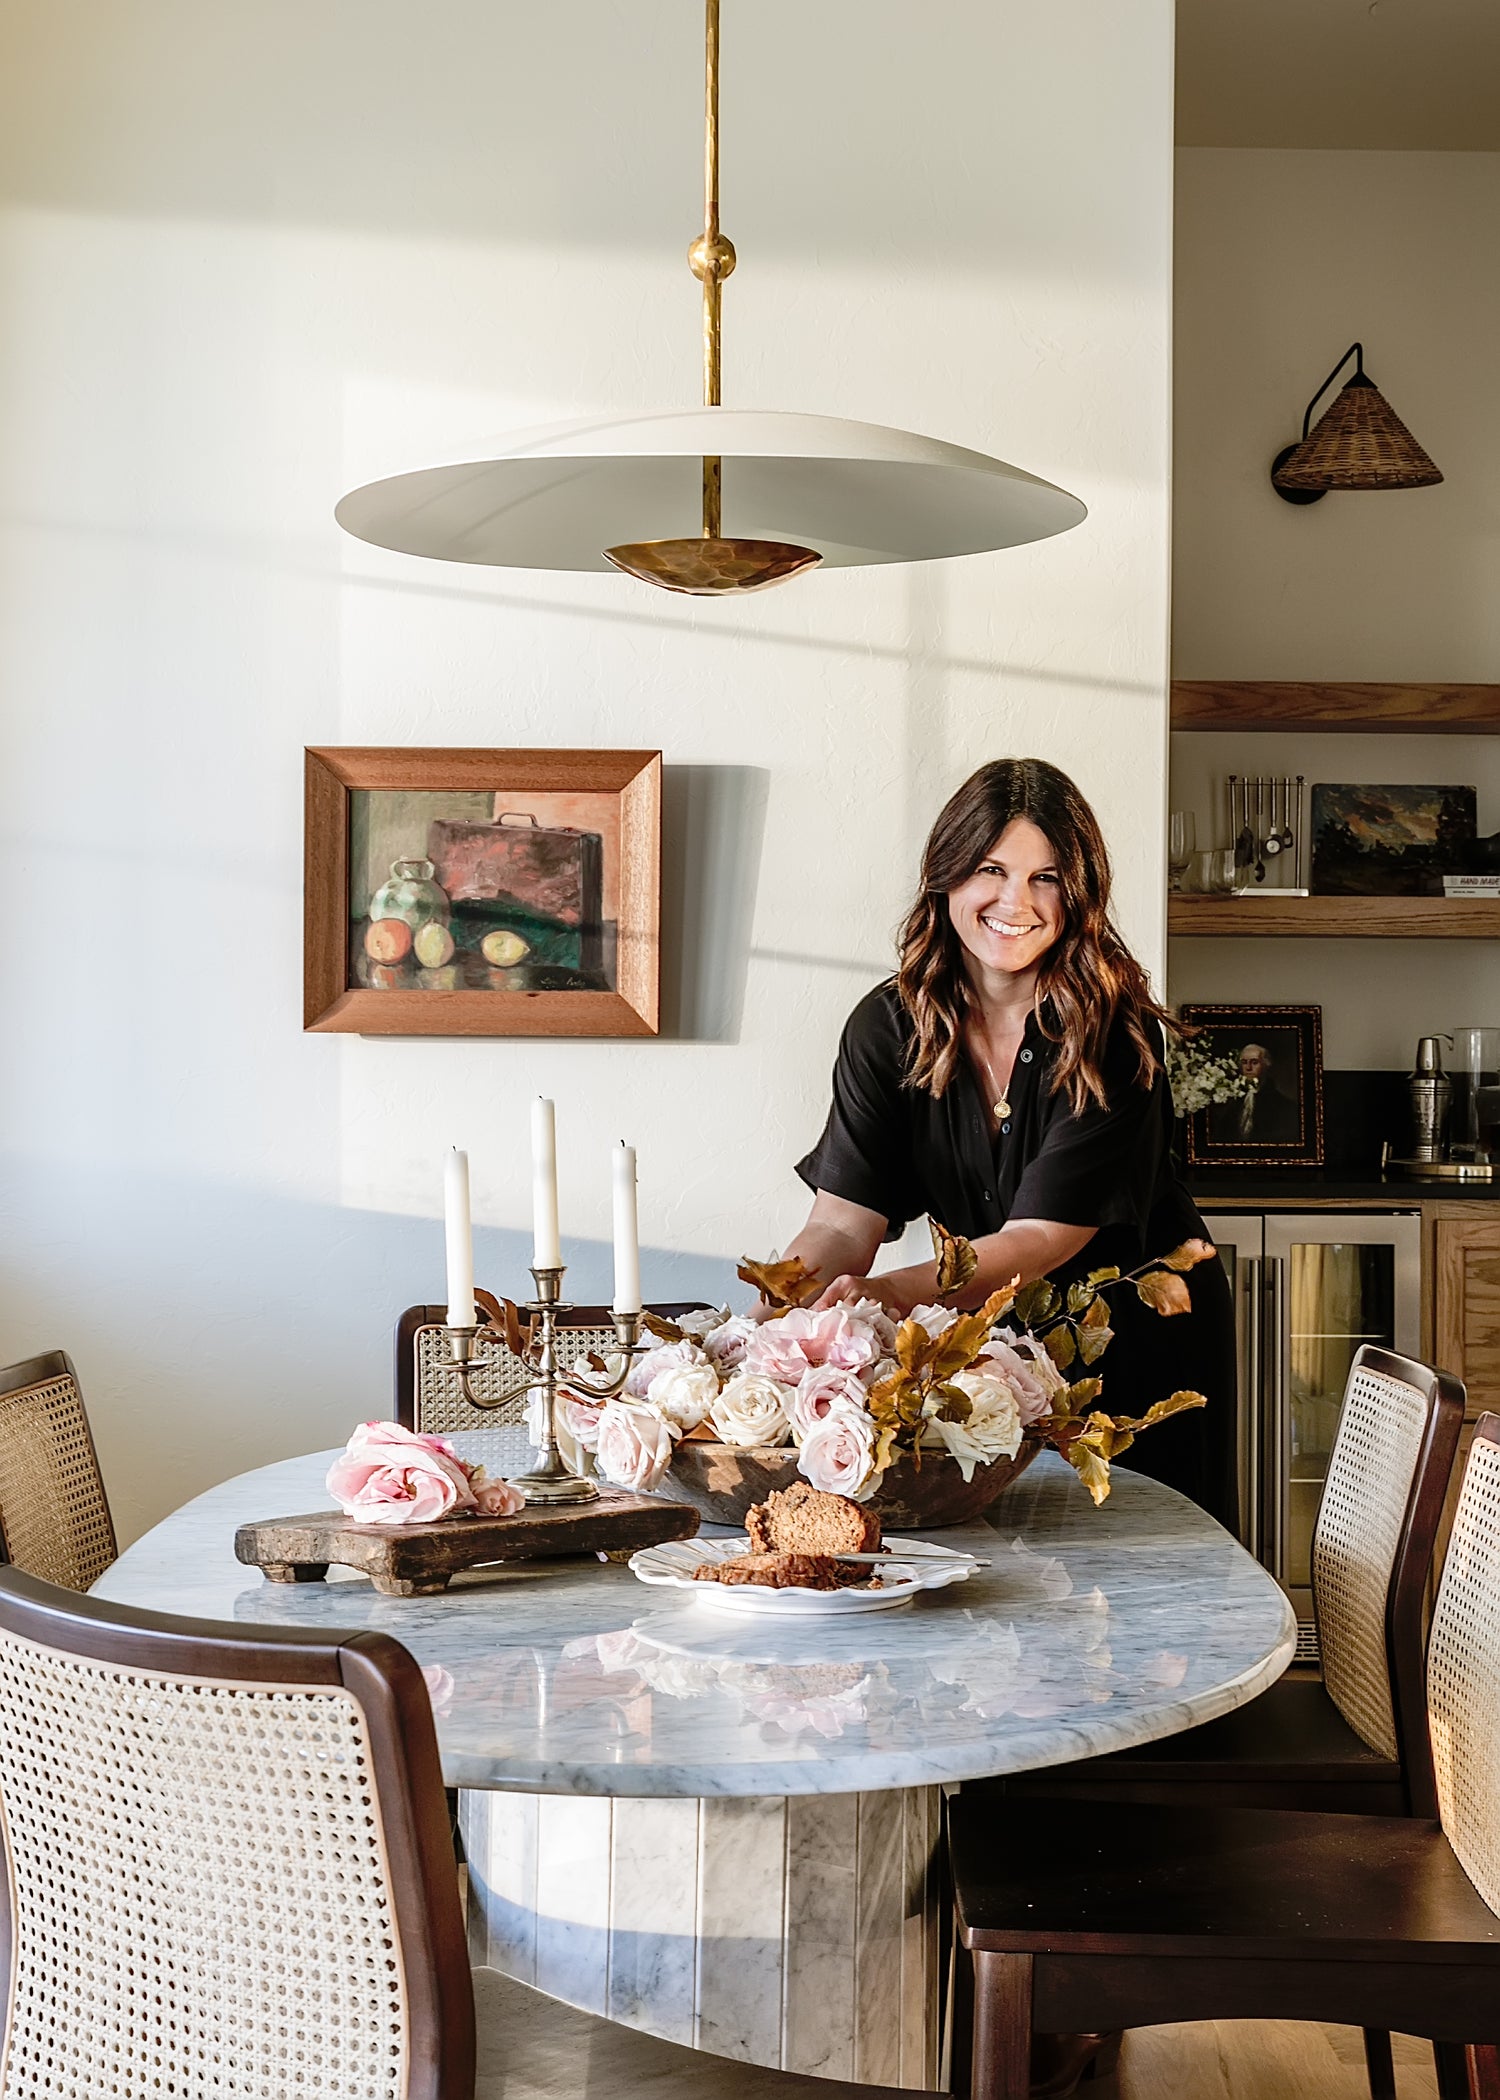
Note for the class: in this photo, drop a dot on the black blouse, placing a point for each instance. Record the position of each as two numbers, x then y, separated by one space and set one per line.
895 1149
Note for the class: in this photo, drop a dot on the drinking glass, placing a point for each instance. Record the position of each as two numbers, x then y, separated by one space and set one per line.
1182 837
1476 1068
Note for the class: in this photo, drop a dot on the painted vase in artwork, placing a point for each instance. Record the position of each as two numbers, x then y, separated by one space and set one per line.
412 895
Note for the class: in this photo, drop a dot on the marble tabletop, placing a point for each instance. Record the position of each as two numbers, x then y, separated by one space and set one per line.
1090 1630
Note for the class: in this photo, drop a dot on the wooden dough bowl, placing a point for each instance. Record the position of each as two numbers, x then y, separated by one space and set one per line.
721 1481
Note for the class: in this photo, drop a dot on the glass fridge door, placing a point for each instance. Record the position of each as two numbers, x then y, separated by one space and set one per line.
1240 1242
1331 1284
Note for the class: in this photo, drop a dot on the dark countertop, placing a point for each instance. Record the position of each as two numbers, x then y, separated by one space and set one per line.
1260 1186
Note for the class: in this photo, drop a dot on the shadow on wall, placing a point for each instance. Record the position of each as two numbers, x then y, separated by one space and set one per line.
713 822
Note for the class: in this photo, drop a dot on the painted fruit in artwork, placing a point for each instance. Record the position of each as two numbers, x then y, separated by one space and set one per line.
388 940
433 945
504 949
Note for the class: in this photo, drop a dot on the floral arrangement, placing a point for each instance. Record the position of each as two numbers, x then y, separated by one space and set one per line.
854 1390
1198 1078
389 1475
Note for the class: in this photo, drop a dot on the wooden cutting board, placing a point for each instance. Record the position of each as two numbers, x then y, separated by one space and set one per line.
417 1560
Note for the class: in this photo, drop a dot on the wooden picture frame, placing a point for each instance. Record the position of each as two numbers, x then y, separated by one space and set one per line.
1286 1128
608 983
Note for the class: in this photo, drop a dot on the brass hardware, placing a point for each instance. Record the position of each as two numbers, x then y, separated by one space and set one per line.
711 566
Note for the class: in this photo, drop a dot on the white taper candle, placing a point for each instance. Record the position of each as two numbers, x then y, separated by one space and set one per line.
460 1239
627 1235
546 1246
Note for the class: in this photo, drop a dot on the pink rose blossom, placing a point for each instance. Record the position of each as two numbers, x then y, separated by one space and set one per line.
725 1347
635 1445
818 1393
1033 1386
581 1419
389 1476
838 1455
645 1368
786 1347
495 1498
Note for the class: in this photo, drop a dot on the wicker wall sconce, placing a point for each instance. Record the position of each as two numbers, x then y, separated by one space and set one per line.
1359 443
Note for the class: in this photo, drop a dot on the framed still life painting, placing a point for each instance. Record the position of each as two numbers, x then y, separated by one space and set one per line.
482 892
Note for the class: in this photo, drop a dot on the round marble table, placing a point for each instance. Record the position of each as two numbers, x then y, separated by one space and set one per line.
725 1831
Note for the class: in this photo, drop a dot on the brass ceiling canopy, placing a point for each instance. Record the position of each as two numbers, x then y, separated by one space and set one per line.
620 491
1359 443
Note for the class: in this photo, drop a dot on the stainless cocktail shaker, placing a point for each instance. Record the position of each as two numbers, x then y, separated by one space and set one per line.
1431 1091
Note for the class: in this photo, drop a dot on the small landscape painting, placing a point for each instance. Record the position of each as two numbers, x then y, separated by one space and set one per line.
483 892
1370 841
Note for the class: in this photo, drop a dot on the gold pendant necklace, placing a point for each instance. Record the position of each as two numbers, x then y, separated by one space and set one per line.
1000 1108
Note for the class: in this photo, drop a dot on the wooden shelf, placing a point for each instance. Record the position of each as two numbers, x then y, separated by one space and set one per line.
1447 710
1371 918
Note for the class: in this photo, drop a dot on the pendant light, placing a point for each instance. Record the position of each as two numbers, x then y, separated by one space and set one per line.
1360 443
650 493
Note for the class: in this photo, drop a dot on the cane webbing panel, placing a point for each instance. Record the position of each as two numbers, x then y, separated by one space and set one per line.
1354 1546
201 1897
1463 1677
499 1375
52 1500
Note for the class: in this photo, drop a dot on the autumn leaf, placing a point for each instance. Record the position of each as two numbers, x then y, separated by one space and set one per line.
958 1346
1164 1293
1060 1346
914 1346
1074 1398
1080 1297
1038 1301
1097 1314
784 1283
1174 1404
664 1330
1188 1255
515 1340
956 1404
1109 1275
956 1259
1092 1469
1093 1341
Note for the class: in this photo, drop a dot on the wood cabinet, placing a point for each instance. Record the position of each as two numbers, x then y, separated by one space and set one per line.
1464 1268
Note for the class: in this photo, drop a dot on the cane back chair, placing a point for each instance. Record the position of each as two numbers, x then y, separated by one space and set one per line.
54 1513
1338 1744
429 1398
1154 1914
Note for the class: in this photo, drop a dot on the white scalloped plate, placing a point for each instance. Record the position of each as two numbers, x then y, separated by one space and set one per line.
914 1566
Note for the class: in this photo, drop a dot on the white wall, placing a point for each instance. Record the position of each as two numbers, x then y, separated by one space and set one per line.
250 256
1282 259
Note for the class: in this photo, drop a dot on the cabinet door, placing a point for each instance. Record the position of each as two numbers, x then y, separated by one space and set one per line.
1240 1241
1466 1323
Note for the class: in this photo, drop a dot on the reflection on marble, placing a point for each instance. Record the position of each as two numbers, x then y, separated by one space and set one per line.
1091 1630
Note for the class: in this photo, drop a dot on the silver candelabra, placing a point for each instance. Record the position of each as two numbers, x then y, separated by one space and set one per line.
549 1480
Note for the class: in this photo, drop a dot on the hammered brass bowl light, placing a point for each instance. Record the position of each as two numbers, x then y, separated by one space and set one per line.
1358 443
641 492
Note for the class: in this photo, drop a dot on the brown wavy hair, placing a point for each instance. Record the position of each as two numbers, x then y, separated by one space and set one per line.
1088 978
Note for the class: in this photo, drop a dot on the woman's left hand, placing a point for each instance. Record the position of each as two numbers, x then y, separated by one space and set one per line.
849 1290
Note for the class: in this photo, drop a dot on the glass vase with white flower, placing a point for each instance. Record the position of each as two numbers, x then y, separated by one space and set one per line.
927 1419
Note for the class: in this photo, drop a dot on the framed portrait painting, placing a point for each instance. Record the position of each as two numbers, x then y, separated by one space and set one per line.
1274 1055
459 892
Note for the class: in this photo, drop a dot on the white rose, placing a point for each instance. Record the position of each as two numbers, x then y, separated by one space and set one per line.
684 1393
838 1455
993 1429
645 1368
635 1445
933 1319
750 1411
581 1420
698 1326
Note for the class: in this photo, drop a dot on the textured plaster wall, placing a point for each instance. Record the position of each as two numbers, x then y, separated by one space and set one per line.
1283 259
252 255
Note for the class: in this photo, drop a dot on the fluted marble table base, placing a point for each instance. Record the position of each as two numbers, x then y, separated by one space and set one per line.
798 1932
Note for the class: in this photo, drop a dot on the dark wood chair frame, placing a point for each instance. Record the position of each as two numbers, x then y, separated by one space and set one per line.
417 1317
1081 1977
39 1370
388 1685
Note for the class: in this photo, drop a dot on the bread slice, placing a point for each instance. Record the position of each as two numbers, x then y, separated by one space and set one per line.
784 1571
801 1519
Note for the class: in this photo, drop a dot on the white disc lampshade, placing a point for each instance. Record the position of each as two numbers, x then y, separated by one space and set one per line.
856 493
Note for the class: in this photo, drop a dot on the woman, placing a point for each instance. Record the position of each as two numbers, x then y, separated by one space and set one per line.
1008 1081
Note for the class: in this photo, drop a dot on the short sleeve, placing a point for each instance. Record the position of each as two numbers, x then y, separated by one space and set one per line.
1100 1166
864 1154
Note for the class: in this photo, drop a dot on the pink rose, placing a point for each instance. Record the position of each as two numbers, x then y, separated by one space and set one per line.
495 1498
635 1445
1033 1378
389 1475
818 1393
838 1455
581 1419
725 1347
796 1341
645 1368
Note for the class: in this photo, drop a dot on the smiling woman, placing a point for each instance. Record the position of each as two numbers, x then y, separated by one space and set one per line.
1009 1082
